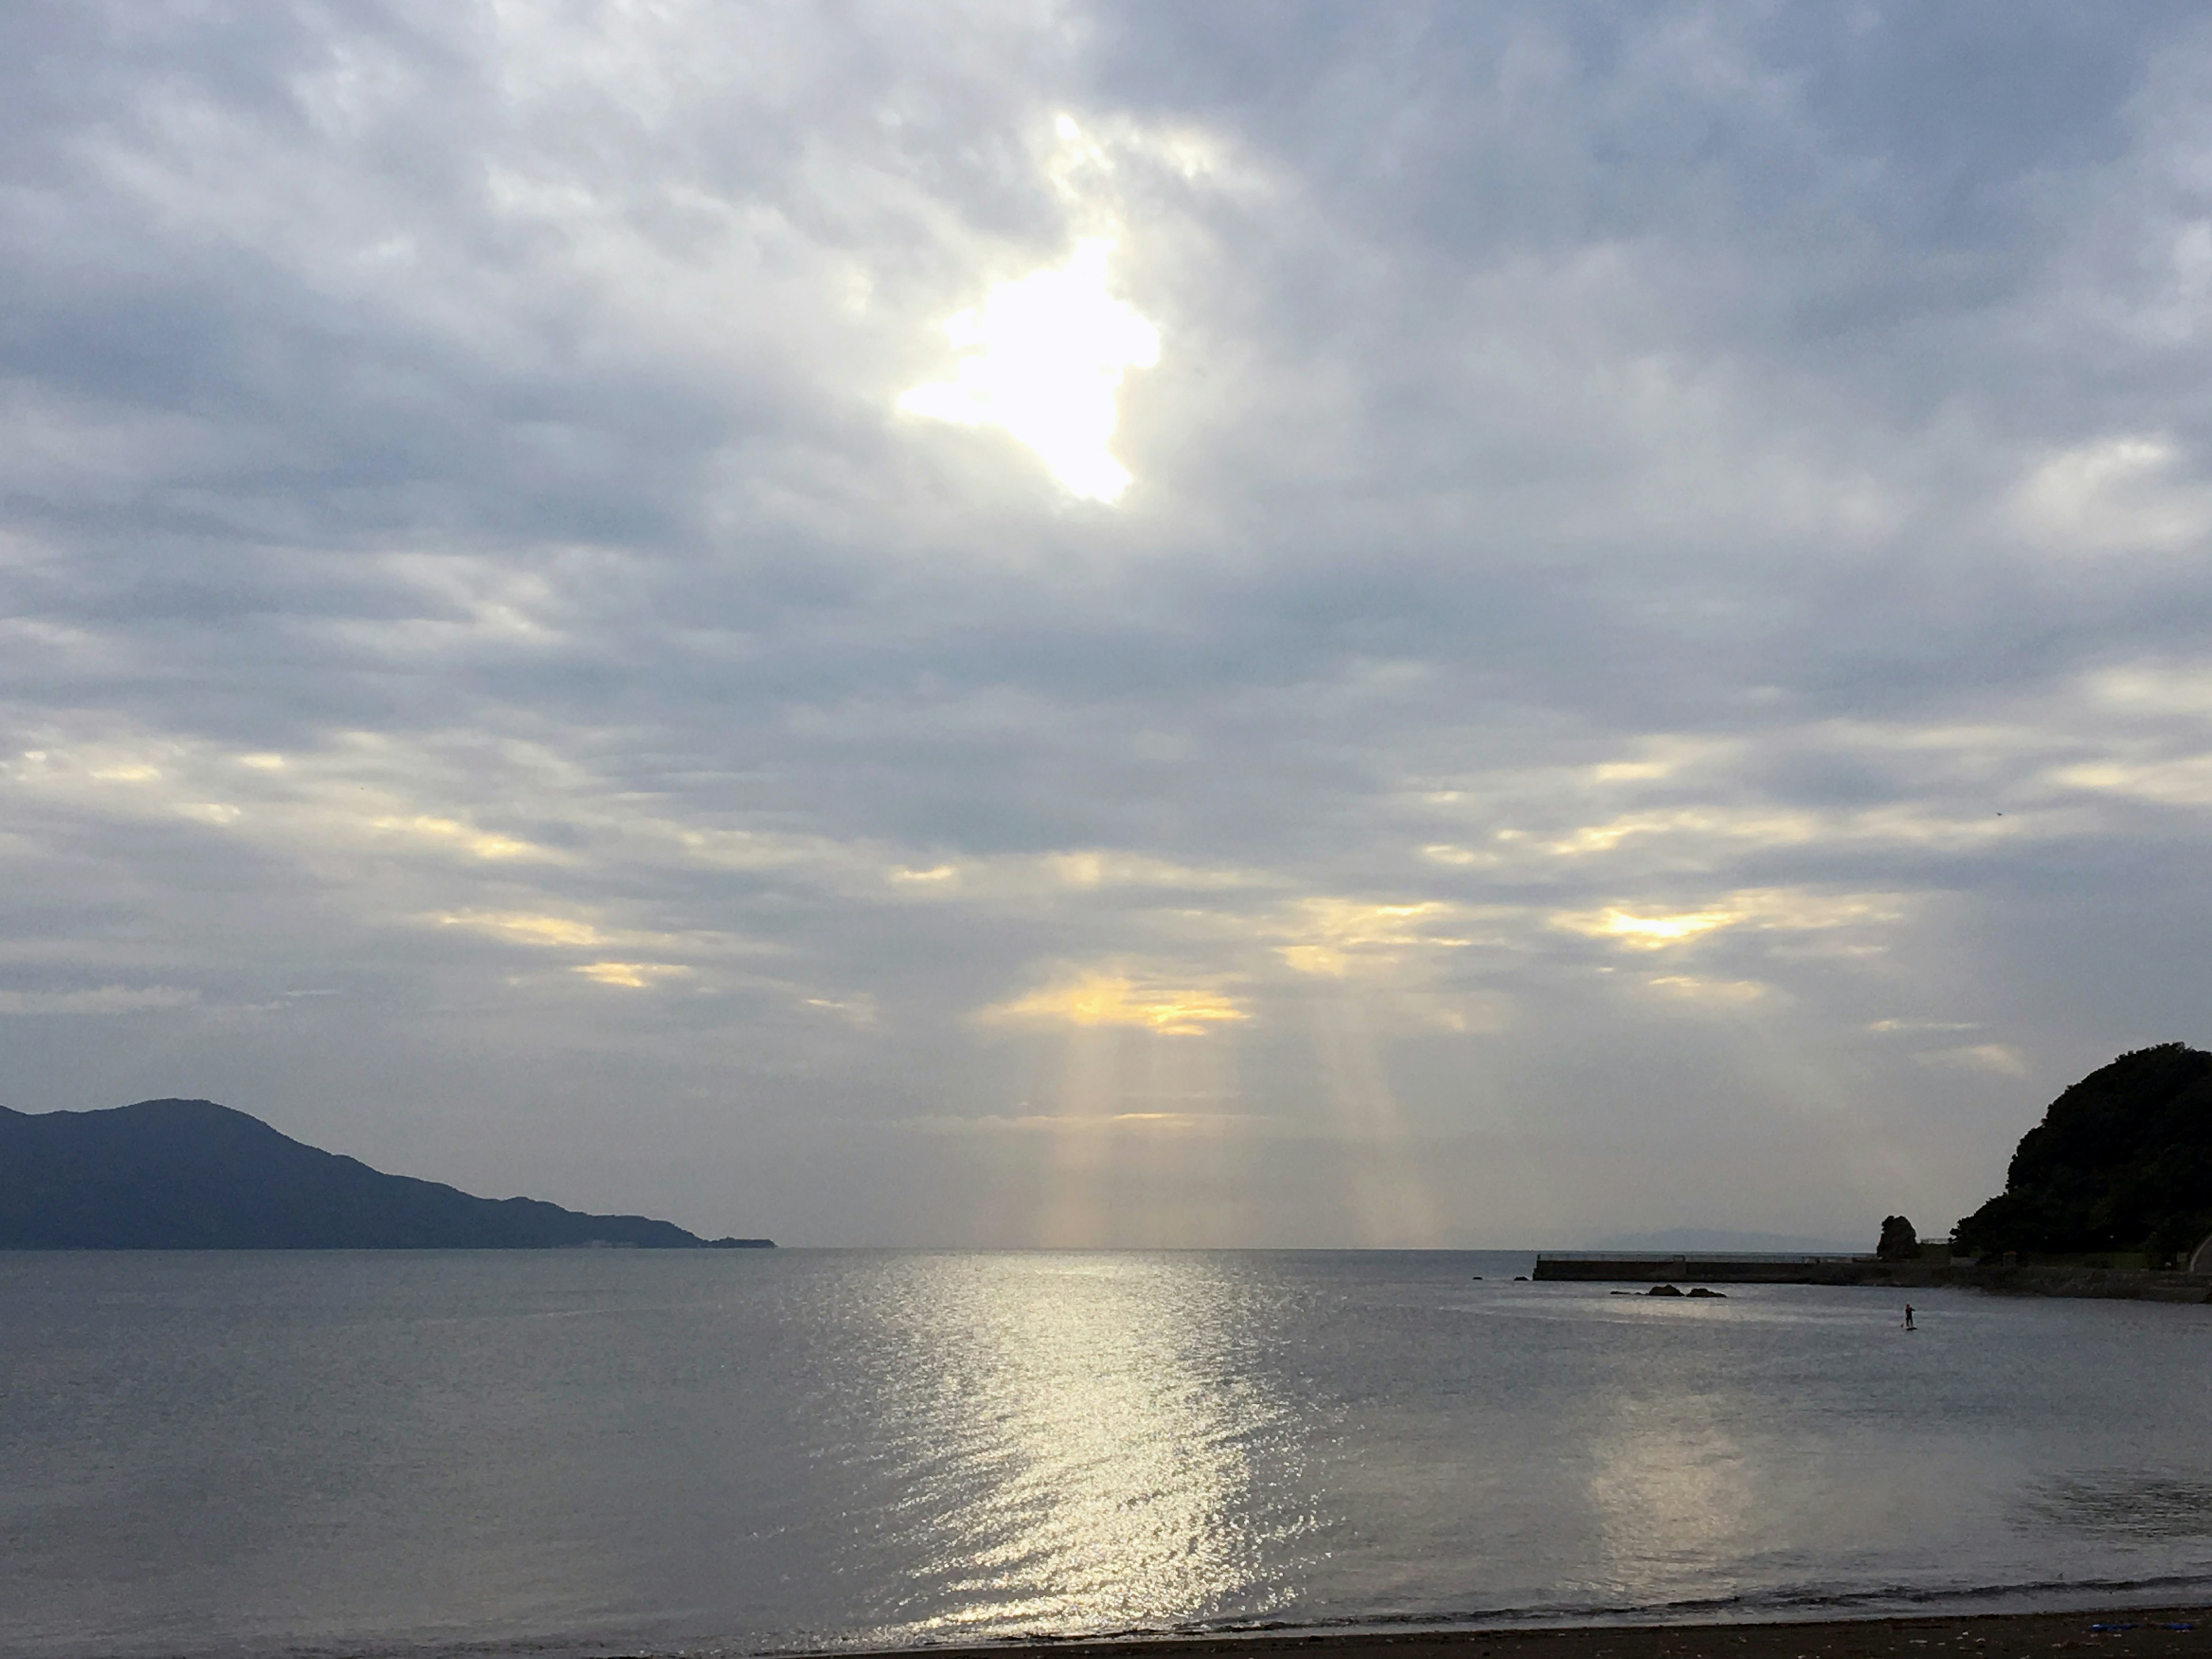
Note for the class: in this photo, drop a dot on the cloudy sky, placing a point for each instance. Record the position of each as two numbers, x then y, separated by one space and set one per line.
1232 624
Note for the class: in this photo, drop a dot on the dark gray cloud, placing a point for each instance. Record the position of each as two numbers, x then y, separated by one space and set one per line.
1653 669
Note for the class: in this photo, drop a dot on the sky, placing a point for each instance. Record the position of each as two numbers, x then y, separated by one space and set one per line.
1149 625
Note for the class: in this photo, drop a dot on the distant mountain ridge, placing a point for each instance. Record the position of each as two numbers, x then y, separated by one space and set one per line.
1710 1239
190 1175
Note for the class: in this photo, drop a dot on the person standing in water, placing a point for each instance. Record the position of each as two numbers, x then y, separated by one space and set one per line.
1909 1325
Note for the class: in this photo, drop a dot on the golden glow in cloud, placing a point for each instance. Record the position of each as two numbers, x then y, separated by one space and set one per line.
631 975
521 927
1340 935
1043 358
452 832
2186 781
1099 999
1762 909
1645 933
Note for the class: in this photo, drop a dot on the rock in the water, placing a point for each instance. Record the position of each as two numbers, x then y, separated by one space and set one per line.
1899 1242
1663 1290
1716 1296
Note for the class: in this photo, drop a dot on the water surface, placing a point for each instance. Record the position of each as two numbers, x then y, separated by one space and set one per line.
749 1451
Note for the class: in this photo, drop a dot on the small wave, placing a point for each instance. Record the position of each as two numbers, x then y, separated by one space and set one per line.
1780 1605
1775 1606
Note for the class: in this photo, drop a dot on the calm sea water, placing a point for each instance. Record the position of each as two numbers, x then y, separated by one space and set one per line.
615 1450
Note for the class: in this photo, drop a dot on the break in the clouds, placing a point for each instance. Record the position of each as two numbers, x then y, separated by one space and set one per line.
1142 624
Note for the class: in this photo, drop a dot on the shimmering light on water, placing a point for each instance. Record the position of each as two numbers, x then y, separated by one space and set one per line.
729 1451
1104 1455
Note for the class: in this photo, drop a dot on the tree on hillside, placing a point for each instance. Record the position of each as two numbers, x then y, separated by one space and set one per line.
2122 1161
1898 1242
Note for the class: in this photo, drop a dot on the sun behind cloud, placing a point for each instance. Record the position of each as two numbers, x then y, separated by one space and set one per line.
1043 358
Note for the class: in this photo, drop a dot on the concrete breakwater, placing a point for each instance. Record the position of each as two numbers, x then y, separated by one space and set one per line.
2122 1284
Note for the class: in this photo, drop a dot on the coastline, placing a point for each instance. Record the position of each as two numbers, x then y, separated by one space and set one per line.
2127 1633
2038 1278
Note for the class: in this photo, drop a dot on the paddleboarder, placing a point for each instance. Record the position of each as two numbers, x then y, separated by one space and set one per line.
1909 1325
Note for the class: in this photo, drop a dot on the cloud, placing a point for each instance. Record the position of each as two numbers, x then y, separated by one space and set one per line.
1768 909
1999 1058
1648 932
1644 596
520 928
1340 936
107 999
632 975
2116 493
1095 998
476 843
1714 991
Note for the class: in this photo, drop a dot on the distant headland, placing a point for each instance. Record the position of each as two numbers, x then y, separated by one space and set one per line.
2121 1164
189 1175
2110 1196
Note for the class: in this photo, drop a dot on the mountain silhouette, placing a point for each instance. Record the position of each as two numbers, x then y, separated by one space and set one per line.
189 1175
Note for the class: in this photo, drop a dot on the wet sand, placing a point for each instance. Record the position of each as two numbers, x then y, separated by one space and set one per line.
2107 1633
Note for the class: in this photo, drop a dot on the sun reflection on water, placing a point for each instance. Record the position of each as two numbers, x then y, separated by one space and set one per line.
1082 1442
1673 1493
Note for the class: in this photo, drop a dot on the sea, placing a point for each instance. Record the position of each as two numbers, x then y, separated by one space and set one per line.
735 1452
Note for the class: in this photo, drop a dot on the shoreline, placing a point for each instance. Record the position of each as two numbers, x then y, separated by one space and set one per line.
2030 1279
2120 1630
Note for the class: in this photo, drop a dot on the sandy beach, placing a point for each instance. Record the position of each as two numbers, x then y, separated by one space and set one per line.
2131 1633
